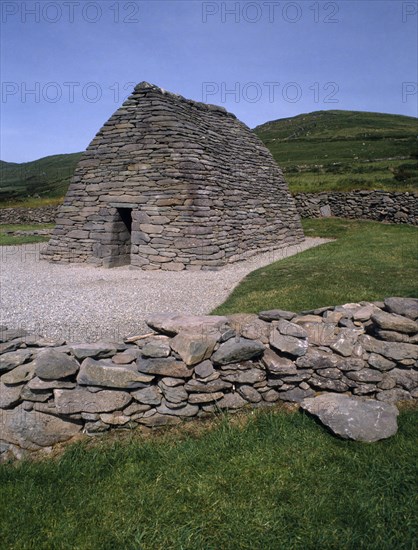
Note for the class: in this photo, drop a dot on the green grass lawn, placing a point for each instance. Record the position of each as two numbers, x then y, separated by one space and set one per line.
266 480
368 261
31 202
10 240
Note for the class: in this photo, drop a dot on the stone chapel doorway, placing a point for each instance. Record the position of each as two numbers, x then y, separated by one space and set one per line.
122 237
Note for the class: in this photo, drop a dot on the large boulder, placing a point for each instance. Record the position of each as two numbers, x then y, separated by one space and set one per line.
352 417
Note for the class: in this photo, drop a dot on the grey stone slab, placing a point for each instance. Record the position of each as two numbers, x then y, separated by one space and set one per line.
395 322
288 344
278 365
82 400
194 347
105 374
148 396
12 359
164 367
237 349
33 430
276 315
97 350
294 395
391 350
354 418
247 376
9 396
54 365
408 307
173 323
19 375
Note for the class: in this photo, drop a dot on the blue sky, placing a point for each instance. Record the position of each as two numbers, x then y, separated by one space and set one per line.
66 66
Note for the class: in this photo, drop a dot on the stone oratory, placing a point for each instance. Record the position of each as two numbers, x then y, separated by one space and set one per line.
170 183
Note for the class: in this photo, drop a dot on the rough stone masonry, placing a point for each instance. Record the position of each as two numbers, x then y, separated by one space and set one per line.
363 356
170 183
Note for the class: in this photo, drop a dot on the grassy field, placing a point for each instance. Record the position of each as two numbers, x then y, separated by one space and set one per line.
31 202
265 480
10 240
368 261
345 150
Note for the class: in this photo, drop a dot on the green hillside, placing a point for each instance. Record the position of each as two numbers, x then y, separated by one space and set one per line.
47 177
320 151
345 150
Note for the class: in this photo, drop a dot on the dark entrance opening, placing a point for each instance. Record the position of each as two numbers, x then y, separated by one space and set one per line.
126 216
120 249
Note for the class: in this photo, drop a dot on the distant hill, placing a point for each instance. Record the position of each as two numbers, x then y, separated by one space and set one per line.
345 150
320 151
47 177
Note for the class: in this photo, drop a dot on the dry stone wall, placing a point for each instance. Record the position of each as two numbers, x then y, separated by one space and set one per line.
190 367
169 183
369 205
44 214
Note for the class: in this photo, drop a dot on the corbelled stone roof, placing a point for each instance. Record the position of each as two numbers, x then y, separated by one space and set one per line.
201 188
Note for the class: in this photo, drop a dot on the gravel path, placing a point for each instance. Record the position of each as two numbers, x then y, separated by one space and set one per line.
83 303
